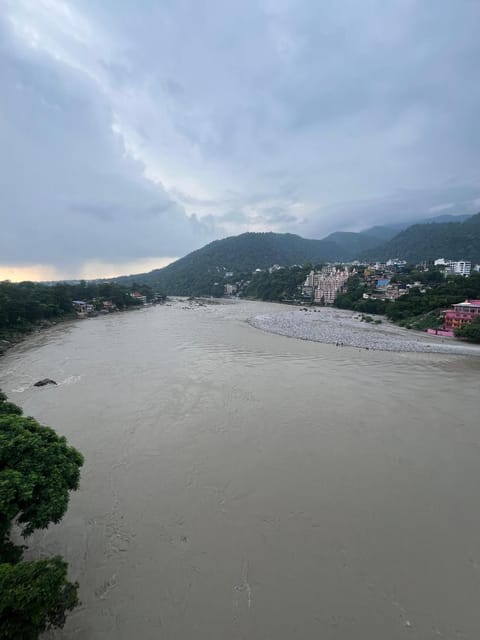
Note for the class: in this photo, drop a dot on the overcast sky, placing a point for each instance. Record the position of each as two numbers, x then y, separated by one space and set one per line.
135 131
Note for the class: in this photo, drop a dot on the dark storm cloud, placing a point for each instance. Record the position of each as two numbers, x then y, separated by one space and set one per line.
149 129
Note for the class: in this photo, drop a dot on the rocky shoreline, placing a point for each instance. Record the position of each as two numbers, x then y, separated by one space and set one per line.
344 328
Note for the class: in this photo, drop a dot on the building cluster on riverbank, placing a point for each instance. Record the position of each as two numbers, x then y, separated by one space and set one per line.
422 294
324 286
95 306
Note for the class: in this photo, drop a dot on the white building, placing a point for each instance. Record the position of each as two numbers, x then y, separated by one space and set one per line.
461 267
395 262
455 267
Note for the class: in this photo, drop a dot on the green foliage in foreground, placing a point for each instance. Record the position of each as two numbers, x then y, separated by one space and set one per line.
37 471
470 332
34 596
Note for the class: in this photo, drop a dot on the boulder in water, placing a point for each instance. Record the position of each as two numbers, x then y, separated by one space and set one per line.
45 381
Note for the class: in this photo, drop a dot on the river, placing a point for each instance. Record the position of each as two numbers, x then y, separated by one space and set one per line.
244 485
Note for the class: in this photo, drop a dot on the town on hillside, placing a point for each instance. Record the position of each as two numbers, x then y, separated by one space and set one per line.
441 296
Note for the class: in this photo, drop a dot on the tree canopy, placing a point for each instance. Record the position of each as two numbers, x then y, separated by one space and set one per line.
38 469
34 596
470 332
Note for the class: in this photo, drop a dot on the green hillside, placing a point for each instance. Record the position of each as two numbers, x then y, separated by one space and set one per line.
383 233
352 243
204 272
197 273
388 231
451 240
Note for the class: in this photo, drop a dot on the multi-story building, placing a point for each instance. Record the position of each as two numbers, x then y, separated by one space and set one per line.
325 285
455 267
461 314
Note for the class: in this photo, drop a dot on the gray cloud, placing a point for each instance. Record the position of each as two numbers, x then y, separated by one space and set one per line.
131 131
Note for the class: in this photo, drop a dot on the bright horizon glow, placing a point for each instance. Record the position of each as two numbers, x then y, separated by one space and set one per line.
88 271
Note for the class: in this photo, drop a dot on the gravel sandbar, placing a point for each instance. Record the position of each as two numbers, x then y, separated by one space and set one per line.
344 328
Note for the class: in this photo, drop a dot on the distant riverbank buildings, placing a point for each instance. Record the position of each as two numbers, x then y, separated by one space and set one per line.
323 286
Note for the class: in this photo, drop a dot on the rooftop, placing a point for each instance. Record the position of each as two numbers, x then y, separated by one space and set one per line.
468 303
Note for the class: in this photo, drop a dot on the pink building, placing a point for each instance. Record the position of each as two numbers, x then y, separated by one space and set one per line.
461 314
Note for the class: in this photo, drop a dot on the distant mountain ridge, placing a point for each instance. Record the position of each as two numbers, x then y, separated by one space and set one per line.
204 271
197 272
451 240
388 231
352 243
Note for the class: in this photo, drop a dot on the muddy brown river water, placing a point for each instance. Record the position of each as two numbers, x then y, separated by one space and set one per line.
245 485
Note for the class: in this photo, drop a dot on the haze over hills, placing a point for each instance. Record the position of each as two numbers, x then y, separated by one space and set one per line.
202 270
451 240
388 231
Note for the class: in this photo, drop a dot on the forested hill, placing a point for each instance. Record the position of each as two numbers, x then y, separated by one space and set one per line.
451 240
203 272
353 243
197 273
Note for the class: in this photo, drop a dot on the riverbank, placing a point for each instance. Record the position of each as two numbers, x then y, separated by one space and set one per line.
15 337
344 328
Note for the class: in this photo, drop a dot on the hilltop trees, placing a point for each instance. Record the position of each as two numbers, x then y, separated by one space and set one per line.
37 471
277 286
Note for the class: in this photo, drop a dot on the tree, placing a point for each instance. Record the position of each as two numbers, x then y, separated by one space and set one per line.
34 597
8 407
37 471
470 331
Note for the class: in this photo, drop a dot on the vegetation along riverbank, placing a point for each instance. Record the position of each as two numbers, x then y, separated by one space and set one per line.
29 306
